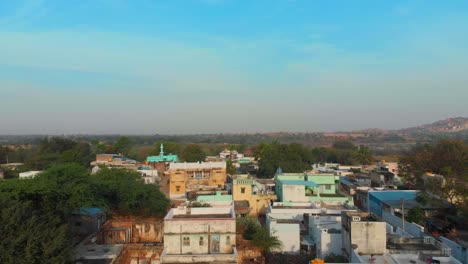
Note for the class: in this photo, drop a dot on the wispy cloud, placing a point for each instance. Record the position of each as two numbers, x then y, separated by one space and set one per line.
25 10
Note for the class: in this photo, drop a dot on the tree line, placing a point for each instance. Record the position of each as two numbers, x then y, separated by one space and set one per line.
295 157
449 158
34 213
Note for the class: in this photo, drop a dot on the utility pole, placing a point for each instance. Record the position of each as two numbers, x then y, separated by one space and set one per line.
403 214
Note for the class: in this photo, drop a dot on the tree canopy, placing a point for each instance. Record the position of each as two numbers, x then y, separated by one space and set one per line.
34 212
58 150
290 157
193 153
298 158
449 157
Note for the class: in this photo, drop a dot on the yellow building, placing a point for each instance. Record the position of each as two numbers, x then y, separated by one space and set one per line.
258 195
185 177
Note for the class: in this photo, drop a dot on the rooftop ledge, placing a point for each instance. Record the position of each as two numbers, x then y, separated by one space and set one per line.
199 258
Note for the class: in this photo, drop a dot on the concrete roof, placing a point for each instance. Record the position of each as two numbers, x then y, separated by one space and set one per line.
197 165
298 182
163 158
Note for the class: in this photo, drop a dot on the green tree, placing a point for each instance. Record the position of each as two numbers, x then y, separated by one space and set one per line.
364 155
193 153
415 215
124 192
344 145
32 235
266 242
57 150
230 169
290 157
123 145
259 235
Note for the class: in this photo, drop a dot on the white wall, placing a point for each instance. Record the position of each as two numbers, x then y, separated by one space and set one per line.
371 237
326 242
457 249
294 193
288 234
295 211
413 229
175 230
28 174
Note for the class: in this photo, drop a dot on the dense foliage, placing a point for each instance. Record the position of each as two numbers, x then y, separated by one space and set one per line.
55 150
32 235
34 212
449 158
193 153
123 192
259 235
289 157
297 158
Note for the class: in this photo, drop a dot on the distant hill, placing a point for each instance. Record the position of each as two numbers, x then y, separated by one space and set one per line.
449 125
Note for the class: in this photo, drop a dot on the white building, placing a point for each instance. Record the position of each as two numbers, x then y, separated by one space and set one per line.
149 176
28 174
325 231
407 250
360 231
199 235
292 224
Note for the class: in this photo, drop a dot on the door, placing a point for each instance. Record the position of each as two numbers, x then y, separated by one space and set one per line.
215 244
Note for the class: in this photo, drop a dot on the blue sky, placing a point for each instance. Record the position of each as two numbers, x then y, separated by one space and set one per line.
200 66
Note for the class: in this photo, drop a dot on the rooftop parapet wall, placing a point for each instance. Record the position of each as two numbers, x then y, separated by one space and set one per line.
201 258
197 165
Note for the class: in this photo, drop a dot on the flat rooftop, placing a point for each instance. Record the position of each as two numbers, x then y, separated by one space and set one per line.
187 216
183 212
197 165
331 195
402 258
97 253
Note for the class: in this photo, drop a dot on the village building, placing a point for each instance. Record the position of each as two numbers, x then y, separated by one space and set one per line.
200 235
190 176
297 224
114 160
416 250
161 162
256 195
361 231
306 187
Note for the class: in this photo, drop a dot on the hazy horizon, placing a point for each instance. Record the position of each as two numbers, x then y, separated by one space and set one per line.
225 66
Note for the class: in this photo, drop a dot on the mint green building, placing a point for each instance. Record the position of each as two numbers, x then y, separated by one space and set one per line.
162 158
218 197
306 187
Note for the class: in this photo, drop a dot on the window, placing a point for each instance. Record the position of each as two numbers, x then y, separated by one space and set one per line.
228 240
243 190
327 186
201 242
177 188
186 241
198 175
